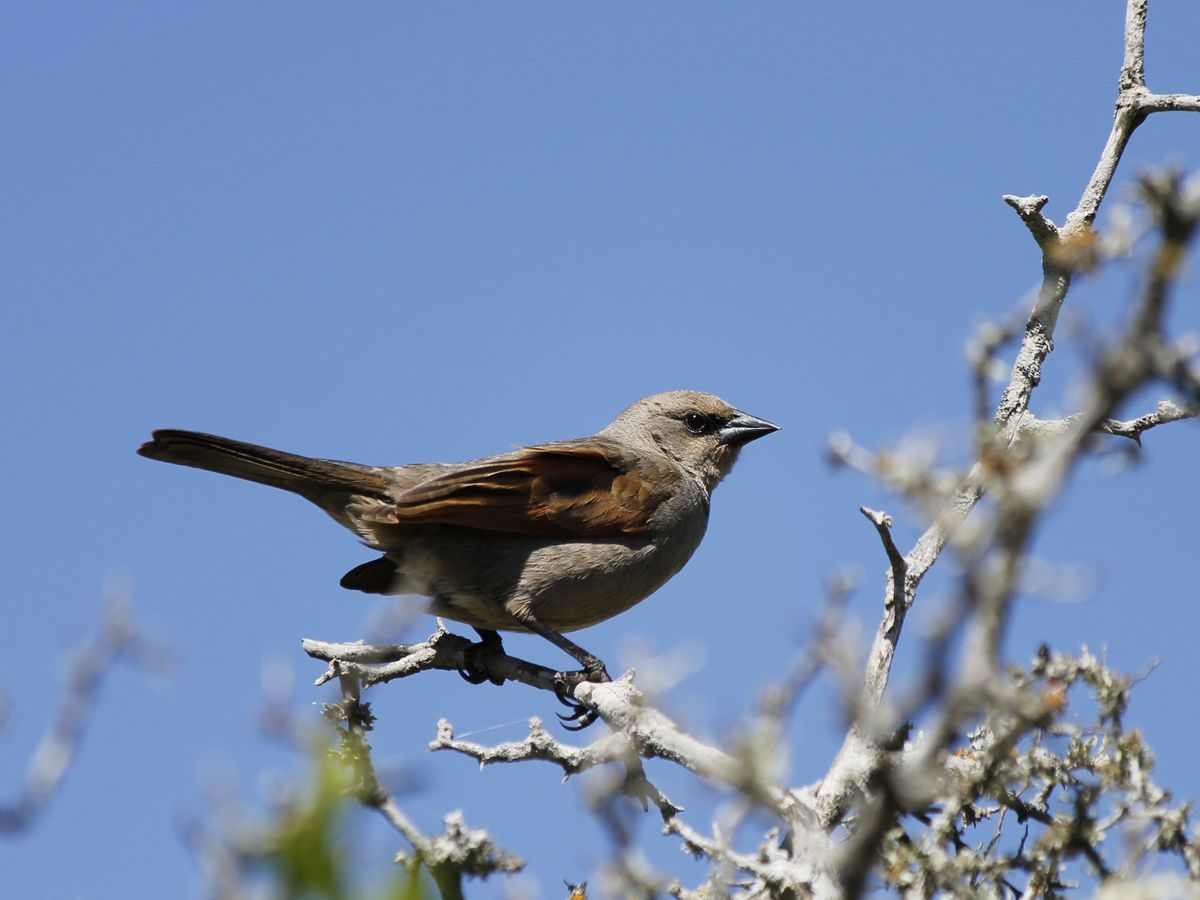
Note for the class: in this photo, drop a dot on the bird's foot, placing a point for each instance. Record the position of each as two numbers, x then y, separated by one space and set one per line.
475 668
581 715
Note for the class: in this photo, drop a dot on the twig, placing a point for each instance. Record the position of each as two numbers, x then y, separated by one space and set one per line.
780 872
115 640
540 745
899 570
1165 412
458 851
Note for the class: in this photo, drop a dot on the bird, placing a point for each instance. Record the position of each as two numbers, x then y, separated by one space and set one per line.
548 538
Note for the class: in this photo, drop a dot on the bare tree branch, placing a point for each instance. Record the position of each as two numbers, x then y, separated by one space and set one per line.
1028 485
442 650
899 570
1029 209
540 745
116 640
1166 411
458 851
859 754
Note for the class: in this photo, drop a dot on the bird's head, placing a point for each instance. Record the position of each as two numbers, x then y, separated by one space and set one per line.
699 431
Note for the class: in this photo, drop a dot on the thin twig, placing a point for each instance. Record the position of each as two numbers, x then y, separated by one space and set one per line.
899 570
116 640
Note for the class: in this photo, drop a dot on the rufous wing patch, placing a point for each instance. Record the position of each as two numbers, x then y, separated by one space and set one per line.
557 490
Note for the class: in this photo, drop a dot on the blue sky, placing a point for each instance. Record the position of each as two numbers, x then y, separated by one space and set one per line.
409 233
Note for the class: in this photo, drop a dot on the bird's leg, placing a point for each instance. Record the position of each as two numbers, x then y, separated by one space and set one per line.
474 668
593 670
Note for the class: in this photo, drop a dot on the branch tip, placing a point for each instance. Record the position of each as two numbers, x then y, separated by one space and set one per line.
1029 208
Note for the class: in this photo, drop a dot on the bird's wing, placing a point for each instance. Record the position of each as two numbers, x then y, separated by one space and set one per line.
587 488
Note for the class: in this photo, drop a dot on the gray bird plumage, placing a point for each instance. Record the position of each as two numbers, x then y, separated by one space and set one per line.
550 538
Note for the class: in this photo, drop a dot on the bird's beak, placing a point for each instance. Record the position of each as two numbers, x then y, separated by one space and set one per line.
743 428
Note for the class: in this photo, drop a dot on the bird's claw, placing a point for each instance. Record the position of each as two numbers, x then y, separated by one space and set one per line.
581 715
586 717
474 669
472 676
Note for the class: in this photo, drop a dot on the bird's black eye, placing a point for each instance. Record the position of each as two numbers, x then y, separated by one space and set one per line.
697 424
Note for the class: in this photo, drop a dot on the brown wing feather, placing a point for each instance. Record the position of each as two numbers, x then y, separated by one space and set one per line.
558 490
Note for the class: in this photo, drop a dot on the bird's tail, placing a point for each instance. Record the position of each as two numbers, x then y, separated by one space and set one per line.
319 480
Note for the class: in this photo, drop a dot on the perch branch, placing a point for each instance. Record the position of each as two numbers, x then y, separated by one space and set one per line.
443 650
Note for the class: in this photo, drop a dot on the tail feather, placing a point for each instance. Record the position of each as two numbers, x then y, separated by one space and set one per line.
315 479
